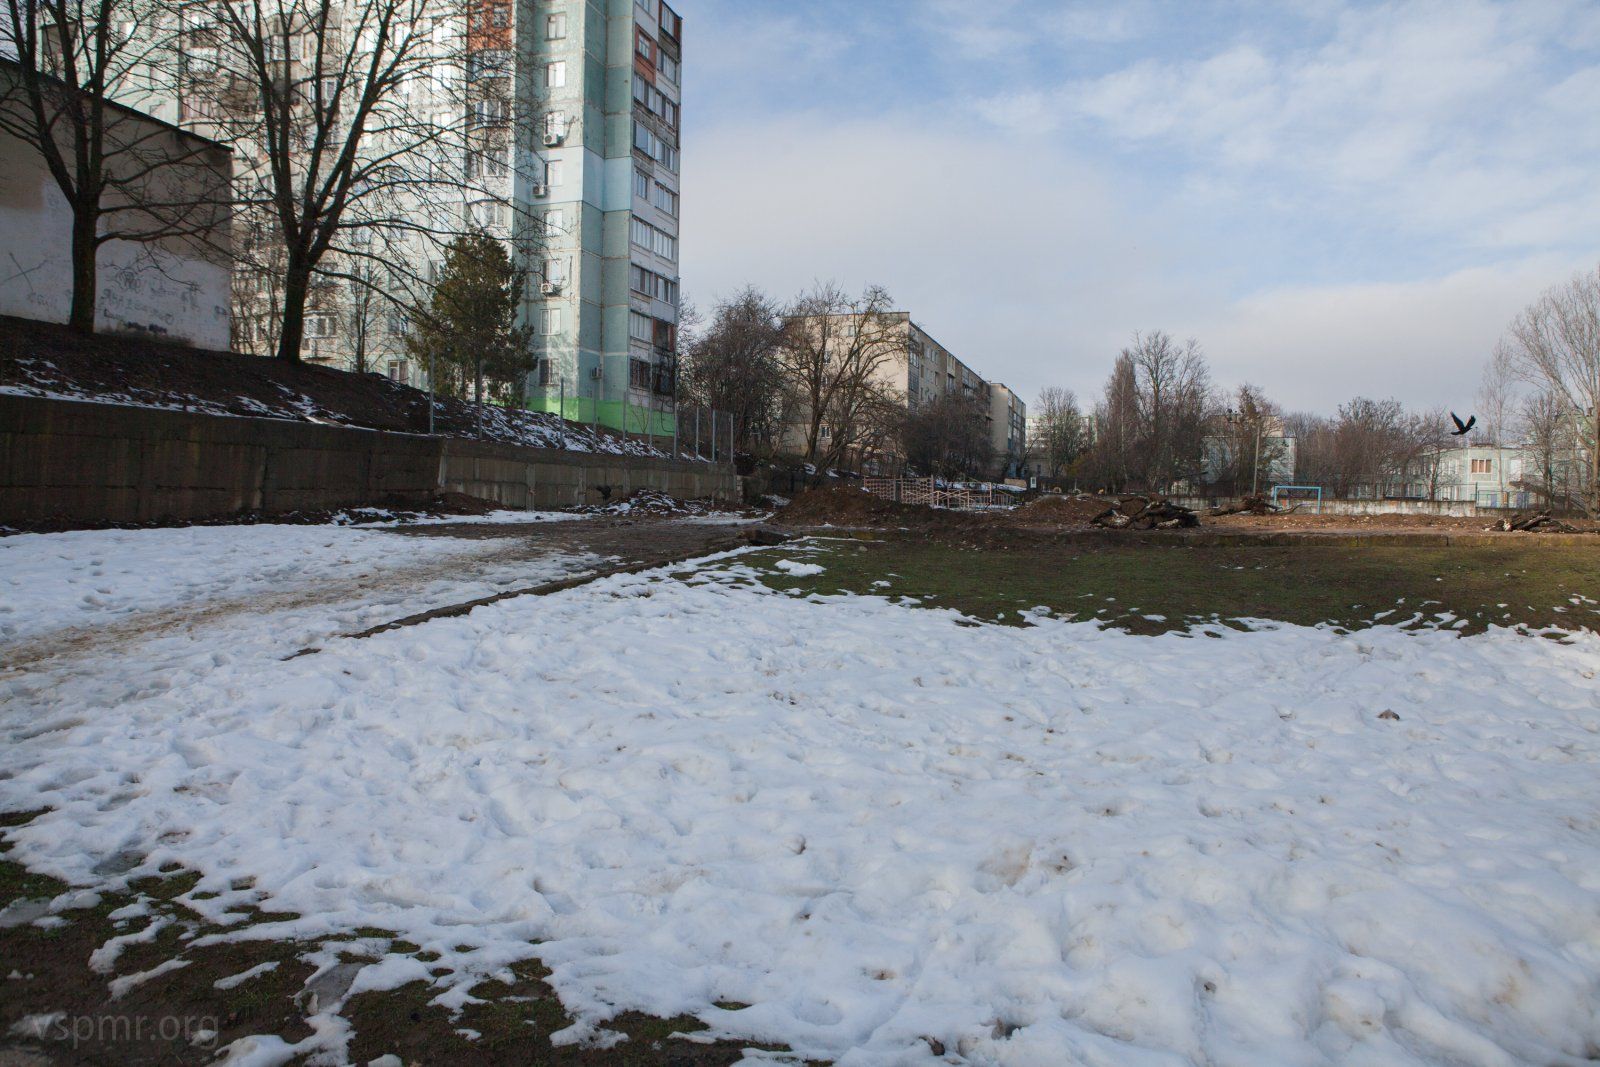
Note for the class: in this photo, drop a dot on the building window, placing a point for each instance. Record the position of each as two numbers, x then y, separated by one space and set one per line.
1482 466
555 26
671 22
488 213
550 321
546 371
399 371
643 45
553 172
555 75
665 199
640 327
319 326
554 222
668 68
555 270
641 185
638 374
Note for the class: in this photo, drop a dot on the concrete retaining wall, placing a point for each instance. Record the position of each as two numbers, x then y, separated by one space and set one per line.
89 463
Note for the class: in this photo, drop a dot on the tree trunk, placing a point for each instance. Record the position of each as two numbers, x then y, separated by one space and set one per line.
477 391
84 271
296 288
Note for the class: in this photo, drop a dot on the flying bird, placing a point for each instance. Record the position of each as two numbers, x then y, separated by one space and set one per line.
1462 428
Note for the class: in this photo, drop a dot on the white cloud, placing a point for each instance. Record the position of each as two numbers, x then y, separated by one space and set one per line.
1437 117
1029 265
1424 342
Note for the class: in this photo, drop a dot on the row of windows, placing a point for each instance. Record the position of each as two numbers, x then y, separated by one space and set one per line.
654 285
647 236
645 140
654 101
652 191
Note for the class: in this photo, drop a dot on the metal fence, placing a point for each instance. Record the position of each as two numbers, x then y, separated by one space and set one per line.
934 493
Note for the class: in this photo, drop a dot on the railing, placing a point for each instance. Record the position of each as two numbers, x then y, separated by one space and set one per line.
930 492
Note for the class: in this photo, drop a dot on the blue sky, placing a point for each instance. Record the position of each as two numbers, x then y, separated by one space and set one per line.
1336 197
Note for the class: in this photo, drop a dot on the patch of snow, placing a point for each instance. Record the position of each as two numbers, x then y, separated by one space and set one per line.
796 569
234 980
884 827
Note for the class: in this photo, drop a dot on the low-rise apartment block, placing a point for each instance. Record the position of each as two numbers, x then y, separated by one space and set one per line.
916 370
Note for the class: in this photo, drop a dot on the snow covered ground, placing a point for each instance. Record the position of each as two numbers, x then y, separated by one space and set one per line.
894 835
95 578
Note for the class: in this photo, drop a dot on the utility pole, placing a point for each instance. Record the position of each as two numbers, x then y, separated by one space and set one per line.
1255 471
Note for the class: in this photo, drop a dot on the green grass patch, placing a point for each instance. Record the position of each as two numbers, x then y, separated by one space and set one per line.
1524 585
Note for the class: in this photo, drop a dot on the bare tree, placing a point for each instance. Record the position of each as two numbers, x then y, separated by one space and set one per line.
1369 444
948 435
1114 459
836 352
1497 398
370 129
1249 442
1062 433
1548 447
124 177
1174 386
734 366
1554 345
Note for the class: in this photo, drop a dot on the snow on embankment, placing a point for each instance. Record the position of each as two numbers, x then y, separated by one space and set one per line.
889 833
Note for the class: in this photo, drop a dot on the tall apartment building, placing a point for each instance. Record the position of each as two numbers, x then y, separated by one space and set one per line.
606 304
567 113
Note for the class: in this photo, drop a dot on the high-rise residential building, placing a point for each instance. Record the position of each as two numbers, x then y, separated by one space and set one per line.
605 304
563 141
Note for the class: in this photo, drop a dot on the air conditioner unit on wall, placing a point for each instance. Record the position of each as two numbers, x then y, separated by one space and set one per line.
596 373
550 288
540 189
552 139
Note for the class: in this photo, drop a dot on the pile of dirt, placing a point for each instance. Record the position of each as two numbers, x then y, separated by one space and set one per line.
851 506
48 360
1055 510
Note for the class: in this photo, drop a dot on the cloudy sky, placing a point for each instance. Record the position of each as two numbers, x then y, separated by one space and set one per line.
1336 197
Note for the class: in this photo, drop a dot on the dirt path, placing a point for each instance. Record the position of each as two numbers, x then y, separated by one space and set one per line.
546 551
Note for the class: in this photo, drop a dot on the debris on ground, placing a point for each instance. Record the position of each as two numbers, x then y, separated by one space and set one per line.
655 502
1142 513
1532 522
1253 505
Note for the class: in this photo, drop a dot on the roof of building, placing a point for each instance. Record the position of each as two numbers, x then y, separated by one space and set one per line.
8 63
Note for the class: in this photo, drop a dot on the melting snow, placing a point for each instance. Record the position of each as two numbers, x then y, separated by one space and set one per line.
883 830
